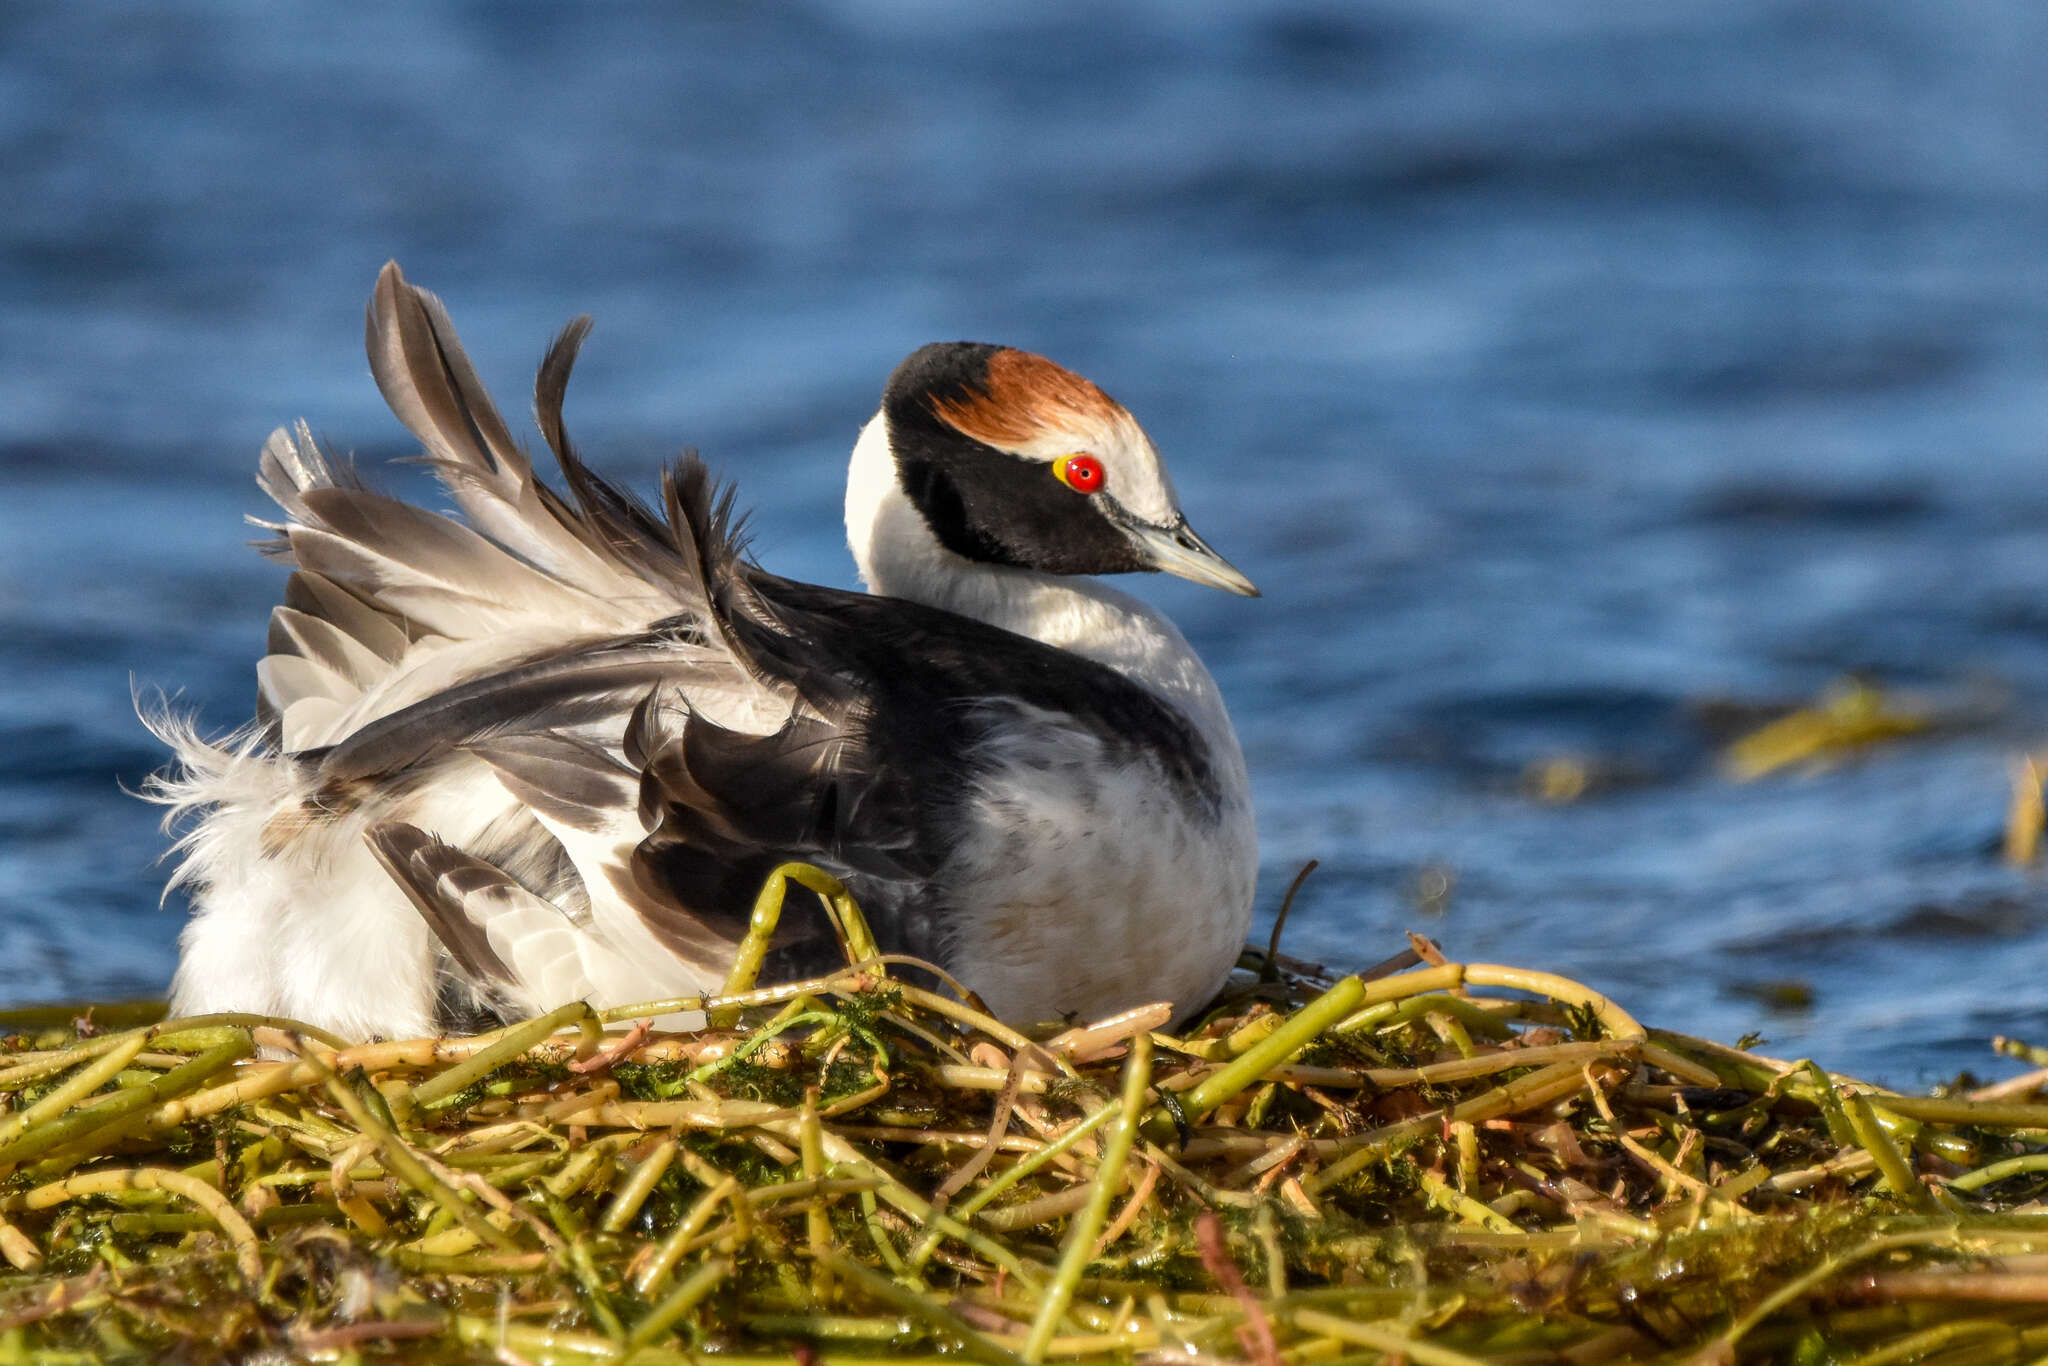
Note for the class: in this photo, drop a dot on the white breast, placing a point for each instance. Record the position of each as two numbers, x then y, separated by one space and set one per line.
1071 867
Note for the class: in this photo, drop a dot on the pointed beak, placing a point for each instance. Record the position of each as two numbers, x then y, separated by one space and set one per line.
1176 549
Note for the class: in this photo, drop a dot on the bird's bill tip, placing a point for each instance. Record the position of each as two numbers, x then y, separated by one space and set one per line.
1177 550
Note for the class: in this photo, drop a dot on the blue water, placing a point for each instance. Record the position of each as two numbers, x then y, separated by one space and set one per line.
1558 370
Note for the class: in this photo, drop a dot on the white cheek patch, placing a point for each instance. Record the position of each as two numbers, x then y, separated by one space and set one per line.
1137 477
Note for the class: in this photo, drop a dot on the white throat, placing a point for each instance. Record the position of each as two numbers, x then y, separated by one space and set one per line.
899 557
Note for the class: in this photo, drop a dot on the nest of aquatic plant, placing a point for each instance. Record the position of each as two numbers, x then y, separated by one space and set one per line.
1447 1163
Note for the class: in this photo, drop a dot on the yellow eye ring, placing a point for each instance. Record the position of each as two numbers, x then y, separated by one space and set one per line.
1081 473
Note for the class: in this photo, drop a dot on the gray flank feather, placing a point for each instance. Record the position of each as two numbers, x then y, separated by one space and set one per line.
437 878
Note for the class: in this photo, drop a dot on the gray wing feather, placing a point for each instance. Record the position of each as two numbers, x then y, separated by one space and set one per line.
318 596
562 778
293 632
427 378
561 692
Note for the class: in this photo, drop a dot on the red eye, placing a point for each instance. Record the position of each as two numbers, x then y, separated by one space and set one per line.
1081 473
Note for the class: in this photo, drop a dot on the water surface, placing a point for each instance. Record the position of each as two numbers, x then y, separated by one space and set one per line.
1559 371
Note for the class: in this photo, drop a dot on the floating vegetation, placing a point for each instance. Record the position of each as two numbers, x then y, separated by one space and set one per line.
1849 718
2027 813
1444 1164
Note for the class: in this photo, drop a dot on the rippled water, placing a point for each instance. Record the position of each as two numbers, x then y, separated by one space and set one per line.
1559 371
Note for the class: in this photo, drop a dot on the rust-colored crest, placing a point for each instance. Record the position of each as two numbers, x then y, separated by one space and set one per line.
1026 395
